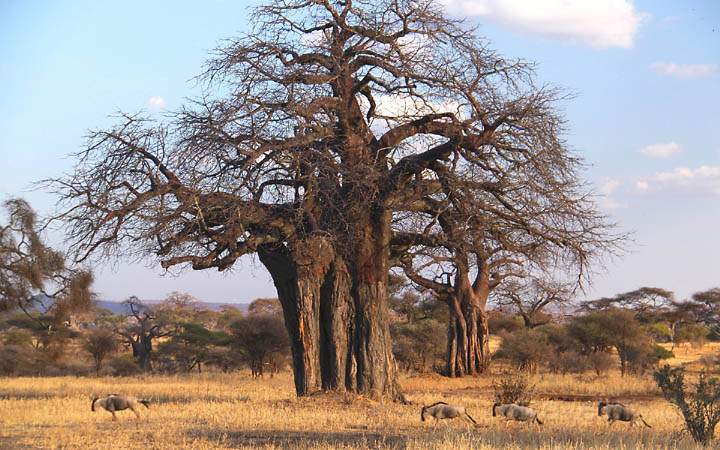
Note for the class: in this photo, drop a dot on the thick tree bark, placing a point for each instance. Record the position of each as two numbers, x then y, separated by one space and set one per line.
468 332
336 323
336 312
372 345
142 350
298 278
376 374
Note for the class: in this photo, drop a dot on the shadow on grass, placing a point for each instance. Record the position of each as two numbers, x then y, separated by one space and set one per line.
304 439
12 442
447 438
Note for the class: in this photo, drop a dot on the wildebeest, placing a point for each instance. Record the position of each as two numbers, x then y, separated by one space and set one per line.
519 413
115 402
618 411
442 410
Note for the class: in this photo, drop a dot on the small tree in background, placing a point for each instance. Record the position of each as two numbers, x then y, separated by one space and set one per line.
531 298
100 343
700 406
418 345
262 339
267 306
526 349
693 333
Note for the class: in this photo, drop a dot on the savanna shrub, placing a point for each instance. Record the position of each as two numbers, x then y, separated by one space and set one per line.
123 366
513 387
568 362
600 362
526 349
699 405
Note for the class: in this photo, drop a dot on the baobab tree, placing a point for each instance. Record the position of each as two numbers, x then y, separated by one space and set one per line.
316 128
480 244
141 328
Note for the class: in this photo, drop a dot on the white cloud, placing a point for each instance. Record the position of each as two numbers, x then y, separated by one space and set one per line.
599 23
662 150
702 180
685 70
609 185
606 190
403 106
156 102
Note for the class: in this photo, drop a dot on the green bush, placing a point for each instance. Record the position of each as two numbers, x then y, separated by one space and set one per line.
699 405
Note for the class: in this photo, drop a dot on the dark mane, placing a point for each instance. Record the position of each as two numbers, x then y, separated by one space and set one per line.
434 404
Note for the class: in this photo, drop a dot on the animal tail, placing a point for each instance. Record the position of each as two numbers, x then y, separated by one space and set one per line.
643 421
92 405
537 419
145 403
470 417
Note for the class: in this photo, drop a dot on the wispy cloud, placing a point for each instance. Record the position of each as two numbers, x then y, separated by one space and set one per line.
702 180
598 23
685 70
662 150
608 187
156 102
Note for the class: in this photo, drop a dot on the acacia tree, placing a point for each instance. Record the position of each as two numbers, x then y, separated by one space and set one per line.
705 307
100 343
648 303
656 305
331 118
531 297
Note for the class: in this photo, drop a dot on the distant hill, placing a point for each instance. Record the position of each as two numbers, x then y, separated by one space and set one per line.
119 308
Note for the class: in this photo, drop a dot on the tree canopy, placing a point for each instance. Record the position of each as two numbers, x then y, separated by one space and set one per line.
331 139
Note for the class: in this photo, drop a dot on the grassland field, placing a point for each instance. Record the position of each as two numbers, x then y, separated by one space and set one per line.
215 410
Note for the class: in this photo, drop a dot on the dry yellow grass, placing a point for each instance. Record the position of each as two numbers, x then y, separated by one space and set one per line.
690 356
231 411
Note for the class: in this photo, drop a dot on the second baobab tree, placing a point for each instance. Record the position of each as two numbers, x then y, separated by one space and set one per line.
317 127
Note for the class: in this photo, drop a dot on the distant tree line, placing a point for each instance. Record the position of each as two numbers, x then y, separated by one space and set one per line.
177 335
541 328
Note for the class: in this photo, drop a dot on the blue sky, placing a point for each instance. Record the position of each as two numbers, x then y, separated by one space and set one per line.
645 116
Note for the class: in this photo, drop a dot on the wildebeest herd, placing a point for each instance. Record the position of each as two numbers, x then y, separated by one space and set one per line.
438 410
523 413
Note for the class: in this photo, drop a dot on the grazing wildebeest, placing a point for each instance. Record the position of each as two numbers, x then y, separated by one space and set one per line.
115 402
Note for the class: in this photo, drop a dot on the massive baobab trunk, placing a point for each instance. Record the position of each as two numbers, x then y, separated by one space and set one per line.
468 350
375 369
298 282
337 319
